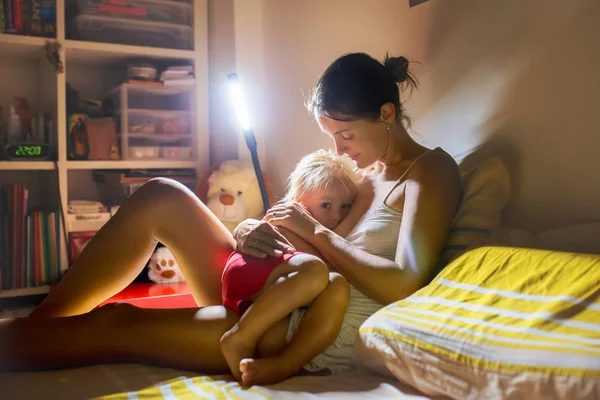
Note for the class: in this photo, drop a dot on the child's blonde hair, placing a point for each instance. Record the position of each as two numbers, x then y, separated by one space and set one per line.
318 170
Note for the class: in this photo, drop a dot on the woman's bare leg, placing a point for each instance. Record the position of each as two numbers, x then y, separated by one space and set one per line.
310 277
121 333
161 210
318 329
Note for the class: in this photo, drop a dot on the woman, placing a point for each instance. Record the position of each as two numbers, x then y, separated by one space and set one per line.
389 255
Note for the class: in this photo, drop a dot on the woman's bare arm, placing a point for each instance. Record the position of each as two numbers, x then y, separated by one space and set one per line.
431 197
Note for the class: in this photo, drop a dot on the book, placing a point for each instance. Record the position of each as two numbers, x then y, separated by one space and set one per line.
34 22
14 218
9 21
2 25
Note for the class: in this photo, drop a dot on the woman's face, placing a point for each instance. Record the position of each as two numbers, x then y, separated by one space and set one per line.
361 140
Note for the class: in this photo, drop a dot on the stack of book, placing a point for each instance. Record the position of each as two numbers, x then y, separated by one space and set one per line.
30 243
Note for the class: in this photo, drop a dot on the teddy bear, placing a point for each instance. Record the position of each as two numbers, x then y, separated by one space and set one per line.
230 190
233 193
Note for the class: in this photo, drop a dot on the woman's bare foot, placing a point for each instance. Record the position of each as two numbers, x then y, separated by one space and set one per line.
235 348
262 371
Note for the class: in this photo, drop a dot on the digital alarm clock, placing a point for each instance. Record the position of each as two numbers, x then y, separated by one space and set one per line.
27 151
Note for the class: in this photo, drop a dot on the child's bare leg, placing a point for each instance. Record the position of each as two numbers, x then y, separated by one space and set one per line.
318 330
308 279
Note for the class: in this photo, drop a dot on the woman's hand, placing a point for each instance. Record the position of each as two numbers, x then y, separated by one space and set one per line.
260 239
294 218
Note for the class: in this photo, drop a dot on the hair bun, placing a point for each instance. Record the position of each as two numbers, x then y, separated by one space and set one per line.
398 66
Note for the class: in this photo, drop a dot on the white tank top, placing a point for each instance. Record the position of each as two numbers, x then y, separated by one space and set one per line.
376 233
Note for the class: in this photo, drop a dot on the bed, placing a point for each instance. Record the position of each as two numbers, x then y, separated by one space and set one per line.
131 381
498 322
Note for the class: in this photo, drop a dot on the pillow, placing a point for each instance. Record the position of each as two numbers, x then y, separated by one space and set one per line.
486 192
496 323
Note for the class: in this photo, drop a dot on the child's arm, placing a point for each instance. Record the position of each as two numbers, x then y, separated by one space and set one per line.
362 202
299 243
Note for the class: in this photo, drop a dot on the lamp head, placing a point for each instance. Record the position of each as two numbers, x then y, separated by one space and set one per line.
239 103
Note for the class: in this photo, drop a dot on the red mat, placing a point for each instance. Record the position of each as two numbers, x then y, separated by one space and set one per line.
155 295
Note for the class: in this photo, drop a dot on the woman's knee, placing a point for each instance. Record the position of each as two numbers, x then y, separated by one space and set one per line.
163 189
161 198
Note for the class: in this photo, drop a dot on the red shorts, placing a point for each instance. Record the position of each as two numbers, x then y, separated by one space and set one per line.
244 276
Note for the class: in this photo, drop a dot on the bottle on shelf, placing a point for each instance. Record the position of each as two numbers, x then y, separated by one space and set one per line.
78 145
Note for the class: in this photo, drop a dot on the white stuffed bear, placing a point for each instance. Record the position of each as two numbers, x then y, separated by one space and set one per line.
163 268
233 193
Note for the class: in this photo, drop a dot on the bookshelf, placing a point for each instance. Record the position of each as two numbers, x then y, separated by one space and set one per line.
33 291
96 68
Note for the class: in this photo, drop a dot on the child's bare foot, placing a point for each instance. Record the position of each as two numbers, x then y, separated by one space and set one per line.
235 348
262 371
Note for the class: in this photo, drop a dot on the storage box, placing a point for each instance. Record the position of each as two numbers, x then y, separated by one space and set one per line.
176 153
168 122
143 152
172 12
139 32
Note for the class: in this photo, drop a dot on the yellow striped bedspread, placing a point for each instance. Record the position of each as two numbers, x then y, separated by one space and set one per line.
496 323
132 381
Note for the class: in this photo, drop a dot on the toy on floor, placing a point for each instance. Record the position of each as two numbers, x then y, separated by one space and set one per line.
230 190
163 267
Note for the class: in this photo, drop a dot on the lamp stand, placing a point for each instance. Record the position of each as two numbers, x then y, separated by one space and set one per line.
251 143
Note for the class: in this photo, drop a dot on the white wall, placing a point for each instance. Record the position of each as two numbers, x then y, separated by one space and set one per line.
301 39
221 51
523 74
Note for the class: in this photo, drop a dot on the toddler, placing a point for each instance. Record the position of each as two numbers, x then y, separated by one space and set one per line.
265 291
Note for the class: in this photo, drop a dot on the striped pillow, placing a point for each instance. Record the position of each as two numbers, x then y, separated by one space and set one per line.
486 192
496 323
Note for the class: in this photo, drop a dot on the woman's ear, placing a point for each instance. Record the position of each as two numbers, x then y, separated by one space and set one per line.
388 113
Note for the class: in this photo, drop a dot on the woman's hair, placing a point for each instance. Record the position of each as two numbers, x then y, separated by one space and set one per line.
317 171
356 85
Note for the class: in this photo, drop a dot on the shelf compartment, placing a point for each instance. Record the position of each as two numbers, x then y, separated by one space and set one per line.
30 291
26 165
19 46
133 164
152 88
98 53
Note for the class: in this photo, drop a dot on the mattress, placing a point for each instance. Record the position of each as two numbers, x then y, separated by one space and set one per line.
132 381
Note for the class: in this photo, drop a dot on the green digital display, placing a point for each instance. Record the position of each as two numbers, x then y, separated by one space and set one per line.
30 151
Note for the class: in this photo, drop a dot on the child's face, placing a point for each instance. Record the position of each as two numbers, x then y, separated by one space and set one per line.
330 206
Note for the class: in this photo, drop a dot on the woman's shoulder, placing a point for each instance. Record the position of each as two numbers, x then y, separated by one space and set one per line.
435 167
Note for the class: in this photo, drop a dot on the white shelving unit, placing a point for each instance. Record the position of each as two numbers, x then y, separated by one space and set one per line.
23 56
